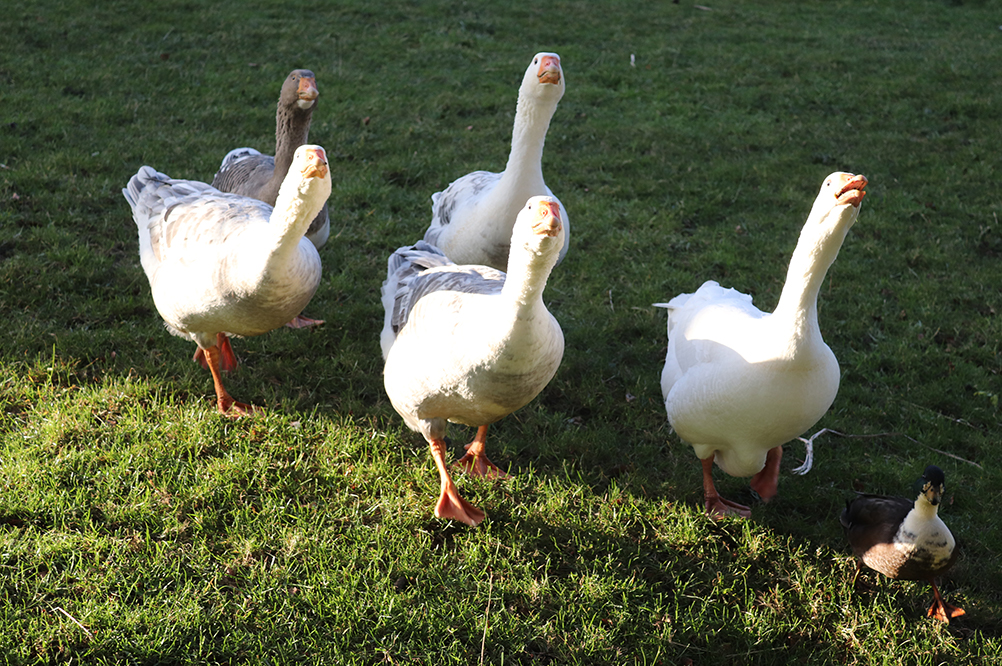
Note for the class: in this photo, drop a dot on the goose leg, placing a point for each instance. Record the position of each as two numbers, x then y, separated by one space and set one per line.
717 506
450 504
764 483
224 401
859 567
227 359
941 610
475 461
304 322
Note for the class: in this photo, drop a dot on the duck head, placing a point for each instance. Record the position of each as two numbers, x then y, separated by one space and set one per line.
932 484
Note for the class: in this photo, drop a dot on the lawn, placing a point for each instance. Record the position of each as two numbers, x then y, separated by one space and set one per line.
137 526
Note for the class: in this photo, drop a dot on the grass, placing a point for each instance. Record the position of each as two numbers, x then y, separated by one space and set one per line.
138 527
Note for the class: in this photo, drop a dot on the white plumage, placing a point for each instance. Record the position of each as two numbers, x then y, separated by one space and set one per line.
223 264
738 382
470 344
472 218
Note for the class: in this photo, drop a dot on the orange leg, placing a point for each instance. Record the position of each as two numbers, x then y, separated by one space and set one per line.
475 461
227 359
224 401
304 322
717 506
764 483
450 504
941 610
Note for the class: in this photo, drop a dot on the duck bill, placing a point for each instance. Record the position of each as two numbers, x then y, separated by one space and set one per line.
547 221
852 191
934 495
549 70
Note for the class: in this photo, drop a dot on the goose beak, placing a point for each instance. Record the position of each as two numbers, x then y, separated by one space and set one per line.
308 92
549 69
547 222
852 190
316 163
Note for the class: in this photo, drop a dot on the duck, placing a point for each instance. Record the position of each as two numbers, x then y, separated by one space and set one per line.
739 382
472 218
248 172
905 539
469 344
222 264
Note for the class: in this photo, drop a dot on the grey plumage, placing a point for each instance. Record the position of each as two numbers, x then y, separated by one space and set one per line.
248 172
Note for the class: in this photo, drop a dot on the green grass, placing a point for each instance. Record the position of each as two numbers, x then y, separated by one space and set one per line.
138 527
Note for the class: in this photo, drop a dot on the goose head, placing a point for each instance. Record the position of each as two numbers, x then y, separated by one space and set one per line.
544 78
837 204
305 188
300 90
539 228
832 215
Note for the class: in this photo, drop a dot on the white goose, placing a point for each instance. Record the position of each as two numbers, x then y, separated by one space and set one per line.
473 217
738 382
469 344
223 264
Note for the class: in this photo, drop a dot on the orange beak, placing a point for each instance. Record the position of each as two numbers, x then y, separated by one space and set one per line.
547 222
308 89
852 190
549 70
316 163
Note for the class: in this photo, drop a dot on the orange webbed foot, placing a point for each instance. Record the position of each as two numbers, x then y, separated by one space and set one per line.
453 507
450 505
304 322
945 612
234 410
941 610
718 507
476 464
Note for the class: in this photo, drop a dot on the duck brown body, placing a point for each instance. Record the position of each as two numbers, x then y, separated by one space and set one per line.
905 539
873 522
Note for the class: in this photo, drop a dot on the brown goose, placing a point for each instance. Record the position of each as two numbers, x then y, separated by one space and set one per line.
905 540
247 172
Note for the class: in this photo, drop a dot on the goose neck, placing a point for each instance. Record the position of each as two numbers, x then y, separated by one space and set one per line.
292 129
526 278
528 135
295 208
